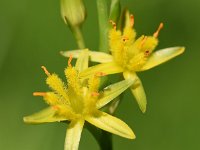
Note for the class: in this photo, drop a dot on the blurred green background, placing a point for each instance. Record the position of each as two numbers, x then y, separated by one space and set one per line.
32 33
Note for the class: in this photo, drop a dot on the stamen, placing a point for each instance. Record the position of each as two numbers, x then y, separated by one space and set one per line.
125 39
131 20
146 53
39 94
55 107
113 24
45 70
158 30
70 60
100 74
143 41
95 94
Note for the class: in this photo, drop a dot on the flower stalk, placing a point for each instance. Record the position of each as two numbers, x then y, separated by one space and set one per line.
102 10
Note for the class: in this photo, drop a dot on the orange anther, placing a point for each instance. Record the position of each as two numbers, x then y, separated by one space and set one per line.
132 20
113 24
70 60
158 30
100 74
39 94
95 94
125 39
55 107
45 70
147 53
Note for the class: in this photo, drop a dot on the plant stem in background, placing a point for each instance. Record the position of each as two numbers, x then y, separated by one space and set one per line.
102 10
115 10
103 138
78 36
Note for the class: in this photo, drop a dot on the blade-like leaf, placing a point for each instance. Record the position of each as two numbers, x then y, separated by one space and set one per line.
162 56
107 68
73 135
82 61
44 116
137 90
100 57
113 91
111 124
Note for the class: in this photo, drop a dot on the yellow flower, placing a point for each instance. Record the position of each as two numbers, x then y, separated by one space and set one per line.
130 55
80 101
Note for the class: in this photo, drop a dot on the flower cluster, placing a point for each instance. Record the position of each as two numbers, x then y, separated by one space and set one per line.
80 100
128 56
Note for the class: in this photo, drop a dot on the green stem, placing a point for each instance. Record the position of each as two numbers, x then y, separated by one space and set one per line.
103 138
115 10
106 141
102 10
78 36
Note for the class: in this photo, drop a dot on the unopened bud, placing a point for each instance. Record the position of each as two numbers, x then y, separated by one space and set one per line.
73 12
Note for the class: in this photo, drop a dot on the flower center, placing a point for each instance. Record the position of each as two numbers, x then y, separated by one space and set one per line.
129 53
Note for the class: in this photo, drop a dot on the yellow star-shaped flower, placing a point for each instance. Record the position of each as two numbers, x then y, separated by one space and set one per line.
129 55
80 101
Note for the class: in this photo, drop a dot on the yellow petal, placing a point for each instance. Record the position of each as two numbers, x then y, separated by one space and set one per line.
73 135
82 61
137 90
111 124
113 91
162 56
107 68
100 57
94 56
44 116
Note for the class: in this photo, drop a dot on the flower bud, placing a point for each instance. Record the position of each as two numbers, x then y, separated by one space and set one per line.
73 12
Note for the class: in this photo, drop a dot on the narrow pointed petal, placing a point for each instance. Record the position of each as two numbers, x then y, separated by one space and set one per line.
107 68
113 91
100 57
137 90
74 53
73 135
111 124
44 116
82 61
94 56
162 56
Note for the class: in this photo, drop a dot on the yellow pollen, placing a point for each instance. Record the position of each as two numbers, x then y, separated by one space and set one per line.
39 94
131 20
45 70
113 24
158 30
95 94
100 74
70 60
